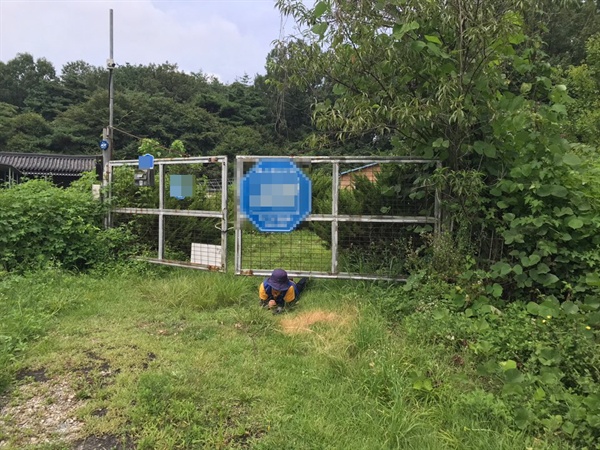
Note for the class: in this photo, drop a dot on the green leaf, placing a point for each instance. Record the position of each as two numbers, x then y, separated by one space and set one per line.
592 279
525 88
568 428
592 302
496 290
489 151
400 31
507 365
417 45
575 223
339 89
433 39
319 10
552 189
572 159
501 268
522 417
513 376
516 39
539 394
557 107
549 356
550 375
320 28
553 422
569 307
533 308
511 236
440 314
559 212
547 279
528 261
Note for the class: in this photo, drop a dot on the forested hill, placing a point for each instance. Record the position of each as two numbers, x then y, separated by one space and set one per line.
43 112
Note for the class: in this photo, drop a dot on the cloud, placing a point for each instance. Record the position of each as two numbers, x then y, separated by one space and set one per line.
227 38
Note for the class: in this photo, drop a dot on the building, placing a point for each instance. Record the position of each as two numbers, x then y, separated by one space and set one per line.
59 169
368 171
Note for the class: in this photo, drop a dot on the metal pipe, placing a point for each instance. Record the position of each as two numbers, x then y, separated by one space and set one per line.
171 161
111 66
239 173
161 216
335 190
224 197
437 206
374 219
170 212
339 275
341 159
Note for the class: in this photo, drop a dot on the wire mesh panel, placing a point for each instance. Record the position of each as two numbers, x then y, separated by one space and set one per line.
301 249
178 209
368 216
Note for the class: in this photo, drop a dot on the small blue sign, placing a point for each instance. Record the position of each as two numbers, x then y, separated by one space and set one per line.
146 161
182 186
276 195
104 145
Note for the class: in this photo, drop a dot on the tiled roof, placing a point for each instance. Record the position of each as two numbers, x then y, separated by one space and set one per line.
44 164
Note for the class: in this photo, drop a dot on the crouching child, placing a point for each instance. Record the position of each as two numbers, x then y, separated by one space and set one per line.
278 291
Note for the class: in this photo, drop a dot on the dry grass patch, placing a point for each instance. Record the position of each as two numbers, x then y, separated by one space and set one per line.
302 322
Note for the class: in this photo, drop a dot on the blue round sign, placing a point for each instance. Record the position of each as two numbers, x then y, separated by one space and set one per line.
276 195
104 145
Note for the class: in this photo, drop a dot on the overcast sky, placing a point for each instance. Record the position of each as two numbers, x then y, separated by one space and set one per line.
224 38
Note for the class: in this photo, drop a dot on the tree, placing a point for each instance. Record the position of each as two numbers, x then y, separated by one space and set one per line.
28 132
22 75
583 82
565 26
430 74
460 81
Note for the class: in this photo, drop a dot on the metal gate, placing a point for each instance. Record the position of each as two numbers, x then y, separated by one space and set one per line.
180 217
369 217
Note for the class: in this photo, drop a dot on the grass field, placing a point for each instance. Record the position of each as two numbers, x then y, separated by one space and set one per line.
172 359
300 250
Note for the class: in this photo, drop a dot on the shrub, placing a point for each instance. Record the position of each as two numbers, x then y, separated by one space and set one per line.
42 225
540 360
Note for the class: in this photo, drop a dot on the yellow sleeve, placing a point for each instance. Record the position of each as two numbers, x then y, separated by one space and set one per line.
290 295
262 293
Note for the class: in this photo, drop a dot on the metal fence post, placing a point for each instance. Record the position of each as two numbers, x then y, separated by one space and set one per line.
335 191
161 207
224 197
239 173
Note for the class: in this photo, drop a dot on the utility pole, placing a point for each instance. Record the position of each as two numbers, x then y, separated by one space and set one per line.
107 133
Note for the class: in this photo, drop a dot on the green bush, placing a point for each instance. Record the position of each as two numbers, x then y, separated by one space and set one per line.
42 225
540 360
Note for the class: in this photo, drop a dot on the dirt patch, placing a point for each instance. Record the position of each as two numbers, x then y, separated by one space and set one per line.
106 442
36 375
41 412
303 321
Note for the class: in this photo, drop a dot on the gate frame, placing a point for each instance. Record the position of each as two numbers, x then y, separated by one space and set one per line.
161 212
334 217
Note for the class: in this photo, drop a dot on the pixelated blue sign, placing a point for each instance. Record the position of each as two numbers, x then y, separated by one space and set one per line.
104 145
276 195
146 161
182 186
